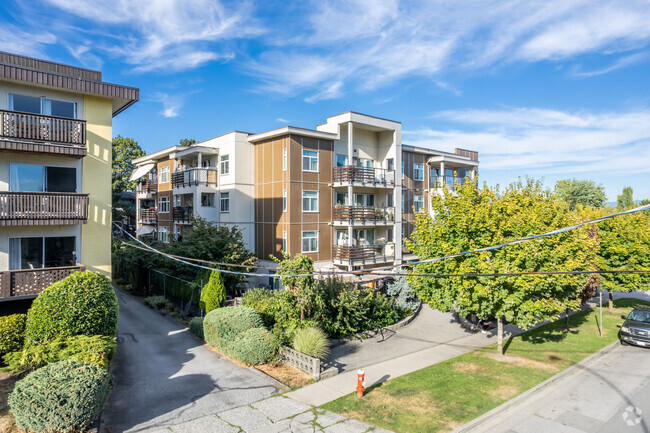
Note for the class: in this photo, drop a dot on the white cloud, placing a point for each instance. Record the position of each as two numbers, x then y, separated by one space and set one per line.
282 120
16 40
539 142
171 104
620 63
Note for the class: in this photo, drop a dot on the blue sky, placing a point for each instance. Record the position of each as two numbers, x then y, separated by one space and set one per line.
551 89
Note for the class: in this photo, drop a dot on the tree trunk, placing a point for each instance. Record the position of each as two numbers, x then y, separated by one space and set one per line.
500 336
567 319
611 300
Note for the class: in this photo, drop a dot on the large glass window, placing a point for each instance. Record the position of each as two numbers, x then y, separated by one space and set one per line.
60 251
38 105
224 201
310 242
38 252
163 174
225 164
310 201
284 241
342 198
52 107
418 171
36 178
341 160
163 204
284 200
60 179
27 104
309 160
418 203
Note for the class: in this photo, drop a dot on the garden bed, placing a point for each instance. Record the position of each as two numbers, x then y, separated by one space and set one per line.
289 376
7 422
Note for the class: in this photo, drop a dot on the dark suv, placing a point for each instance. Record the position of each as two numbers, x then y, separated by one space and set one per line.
636 329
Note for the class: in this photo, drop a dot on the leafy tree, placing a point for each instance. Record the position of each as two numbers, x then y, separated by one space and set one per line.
187 142
302 287
644 202
483 217
125 150
214 293
584 192
625 200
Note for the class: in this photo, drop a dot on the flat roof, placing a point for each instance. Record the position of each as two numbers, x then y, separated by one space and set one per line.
292 130
360 114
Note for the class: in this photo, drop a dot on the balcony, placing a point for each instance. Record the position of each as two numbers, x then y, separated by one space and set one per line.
357 255
362 215
452 182
31 282
42 208
194 177
363 176
148 216
27 132
147 185
182 214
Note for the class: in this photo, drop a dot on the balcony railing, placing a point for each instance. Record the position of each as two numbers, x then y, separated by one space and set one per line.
451 181
147 184
367 214
31 282
363 175
182 214
363 254
194 177
148 216
41 133
42 208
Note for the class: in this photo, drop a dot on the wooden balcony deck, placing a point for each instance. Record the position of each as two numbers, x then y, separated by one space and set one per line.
31 282
42 208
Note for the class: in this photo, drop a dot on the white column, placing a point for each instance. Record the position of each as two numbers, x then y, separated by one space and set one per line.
442 173
350 192
199 160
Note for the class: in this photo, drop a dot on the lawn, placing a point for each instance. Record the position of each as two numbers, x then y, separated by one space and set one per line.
446 395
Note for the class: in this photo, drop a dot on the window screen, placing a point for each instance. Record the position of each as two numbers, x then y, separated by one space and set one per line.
61 179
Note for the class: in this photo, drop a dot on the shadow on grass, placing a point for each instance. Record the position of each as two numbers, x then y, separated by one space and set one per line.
556 331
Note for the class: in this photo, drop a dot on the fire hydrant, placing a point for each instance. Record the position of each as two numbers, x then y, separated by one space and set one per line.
361 383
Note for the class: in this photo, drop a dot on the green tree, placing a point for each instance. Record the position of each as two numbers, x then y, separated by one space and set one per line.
584 192
187 142
125 150
625 200
302 287
214 293
481 217
644 202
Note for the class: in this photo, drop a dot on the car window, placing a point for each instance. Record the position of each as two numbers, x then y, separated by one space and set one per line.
640 316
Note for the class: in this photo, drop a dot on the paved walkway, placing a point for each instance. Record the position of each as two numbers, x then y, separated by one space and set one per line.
607 394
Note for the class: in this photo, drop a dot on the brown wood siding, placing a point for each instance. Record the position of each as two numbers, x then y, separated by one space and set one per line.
47 66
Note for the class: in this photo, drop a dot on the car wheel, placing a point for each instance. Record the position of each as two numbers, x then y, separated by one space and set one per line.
623 343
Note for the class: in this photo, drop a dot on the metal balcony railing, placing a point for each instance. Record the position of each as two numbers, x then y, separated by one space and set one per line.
182 214
194 177
363 175
450 181
147 184
148 216
364 254
42 208
369 214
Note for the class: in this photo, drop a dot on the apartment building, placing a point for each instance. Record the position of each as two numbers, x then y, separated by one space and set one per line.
55 171
343 194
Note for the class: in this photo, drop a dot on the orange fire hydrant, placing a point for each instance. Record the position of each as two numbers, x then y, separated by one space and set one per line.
361 383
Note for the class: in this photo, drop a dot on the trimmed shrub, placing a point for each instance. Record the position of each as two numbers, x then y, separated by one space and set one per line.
401 291
312 341
222 325
158 302
213 295
12 332
253 346
83 303
65 396
196 326
96 349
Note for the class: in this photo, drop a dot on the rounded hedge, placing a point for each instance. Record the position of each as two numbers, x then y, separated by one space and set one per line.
222 325
65 396
253 346
12 333
84 303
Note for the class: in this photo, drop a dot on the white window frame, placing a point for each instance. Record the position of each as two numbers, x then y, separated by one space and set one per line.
224 164
10 103
163 174
284 241
207 193
418 169
163 201
312 201
313 237
418 201
284 200
224 198
163 230
284 159
310 158
13 165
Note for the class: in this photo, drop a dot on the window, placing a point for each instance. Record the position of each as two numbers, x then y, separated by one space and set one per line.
225 164
284 241
309 242
163 174
418 171
38 105
163 234
341 160
284 200
177 201
37 178
309 160
310 201
402 169
418 203
163 204
402 202
342 198
207 199
38 252
177 233
364 237
389 200
224 200
284 159
365 162
389 235
391 163
364 199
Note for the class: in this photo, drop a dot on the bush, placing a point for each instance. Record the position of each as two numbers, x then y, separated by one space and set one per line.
383 312
65 397
12 332
96 349
312 341
158 302
222 325
84 303
265 302
196 326
253 346
214 293
400 290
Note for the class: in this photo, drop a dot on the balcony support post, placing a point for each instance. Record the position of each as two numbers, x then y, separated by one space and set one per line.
443 175
350 188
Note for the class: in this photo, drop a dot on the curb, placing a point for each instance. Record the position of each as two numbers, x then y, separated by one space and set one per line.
511 405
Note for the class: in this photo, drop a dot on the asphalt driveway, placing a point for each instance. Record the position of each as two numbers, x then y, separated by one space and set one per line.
165 377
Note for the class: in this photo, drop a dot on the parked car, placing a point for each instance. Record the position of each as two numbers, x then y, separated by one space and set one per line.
636 329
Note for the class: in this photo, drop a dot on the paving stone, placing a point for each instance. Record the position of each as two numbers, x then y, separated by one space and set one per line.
206 424
328 418
278 427
349 426
304 418
245 417
277 408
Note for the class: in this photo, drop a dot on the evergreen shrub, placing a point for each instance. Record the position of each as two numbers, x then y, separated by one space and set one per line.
12 332
214 293
253 346
83 303
196 327
64 396
222 325
158 302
